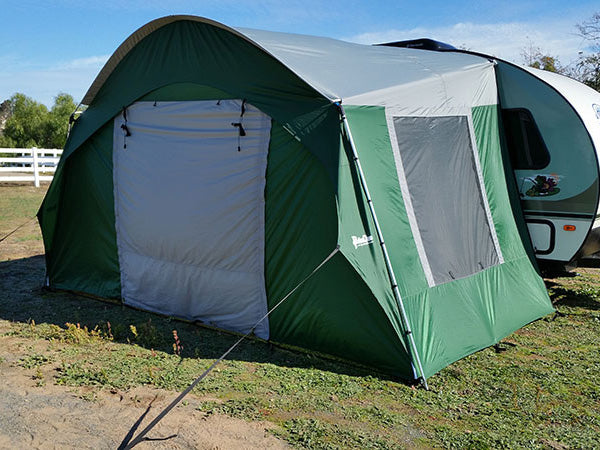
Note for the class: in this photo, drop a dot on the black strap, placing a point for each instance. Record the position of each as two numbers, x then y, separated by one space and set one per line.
241 133
125 445
16 229
124 127
240 126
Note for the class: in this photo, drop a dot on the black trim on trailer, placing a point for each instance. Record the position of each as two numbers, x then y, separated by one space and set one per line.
421 44
537 156
552 236
558 214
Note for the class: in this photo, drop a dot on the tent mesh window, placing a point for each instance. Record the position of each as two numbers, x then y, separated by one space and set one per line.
525 143
443 183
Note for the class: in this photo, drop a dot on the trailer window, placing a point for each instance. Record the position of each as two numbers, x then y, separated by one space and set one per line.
525 144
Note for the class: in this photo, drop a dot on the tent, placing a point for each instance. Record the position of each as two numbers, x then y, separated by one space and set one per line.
214 169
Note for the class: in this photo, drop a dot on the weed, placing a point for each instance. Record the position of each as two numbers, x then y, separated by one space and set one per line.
34 360
148 335
89 396
39 378
248 408
76 334
177 346
109 331
76 375
320 434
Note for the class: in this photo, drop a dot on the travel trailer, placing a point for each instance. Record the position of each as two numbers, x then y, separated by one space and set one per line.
557 171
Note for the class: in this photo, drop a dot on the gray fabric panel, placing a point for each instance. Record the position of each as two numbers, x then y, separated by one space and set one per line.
446 196
341 69
190 211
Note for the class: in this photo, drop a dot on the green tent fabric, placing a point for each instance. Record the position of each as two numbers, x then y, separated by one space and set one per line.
212 172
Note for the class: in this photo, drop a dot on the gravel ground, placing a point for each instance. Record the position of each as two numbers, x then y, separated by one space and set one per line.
49 416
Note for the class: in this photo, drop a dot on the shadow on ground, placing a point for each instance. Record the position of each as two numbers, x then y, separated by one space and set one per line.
573 297
22 299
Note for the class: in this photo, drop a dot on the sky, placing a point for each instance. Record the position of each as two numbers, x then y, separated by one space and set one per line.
53 46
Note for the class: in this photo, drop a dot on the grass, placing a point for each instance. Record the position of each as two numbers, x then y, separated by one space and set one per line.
33 360
542 391
18 203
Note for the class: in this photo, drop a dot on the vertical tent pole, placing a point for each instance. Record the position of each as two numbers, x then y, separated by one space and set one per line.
363 182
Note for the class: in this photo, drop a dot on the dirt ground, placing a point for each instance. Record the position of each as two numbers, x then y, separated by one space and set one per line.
48 416
37 413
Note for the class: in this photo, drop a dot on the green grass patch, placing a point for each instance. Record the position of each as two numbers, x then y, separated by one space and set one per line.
29 237
34 360
18 204
541 392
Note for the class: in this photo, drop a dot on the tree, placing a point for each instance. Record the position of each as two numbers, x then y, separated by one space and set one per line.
585 69
24 127
590 29
588 70
58 120
588 67
548 63
30 124
534 57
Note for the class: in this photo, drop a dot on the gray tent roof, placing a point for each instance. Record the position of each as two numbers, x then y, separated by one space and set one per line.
340 69
337 69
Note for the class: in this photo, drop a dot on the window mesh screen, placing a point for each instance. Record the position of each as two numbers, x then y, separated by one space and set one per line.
439 167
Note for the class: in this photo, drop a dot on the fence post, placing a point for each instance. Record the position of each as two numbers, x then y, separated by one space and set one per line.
36 172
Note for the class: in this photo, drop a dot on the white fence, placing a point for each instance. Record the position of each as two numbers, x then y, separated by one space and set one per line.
28 164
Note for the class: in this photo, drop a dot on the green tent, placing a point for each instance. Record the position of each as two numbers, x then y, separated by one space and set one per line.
214 169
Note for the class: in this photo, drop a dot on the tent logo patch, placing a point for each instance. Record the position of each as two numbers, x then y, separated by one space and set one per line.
596 110
362 240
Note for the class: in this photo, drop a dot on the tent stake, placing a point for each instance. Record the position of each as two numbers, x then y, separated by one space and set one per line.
388 264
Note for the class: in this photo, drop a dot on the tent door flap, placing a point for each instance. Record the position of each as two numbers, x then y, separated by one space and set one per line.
189 211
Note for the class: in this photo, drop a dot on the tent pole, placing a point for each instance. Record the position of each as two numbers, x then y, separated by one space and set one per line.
388 264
